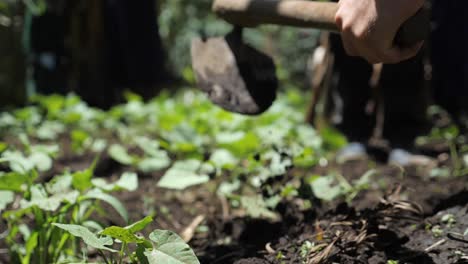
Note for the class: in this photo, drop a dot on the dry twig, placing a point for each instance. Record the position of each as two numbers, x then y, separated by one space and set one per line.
189 231
324 255
224 207
432 247
269 249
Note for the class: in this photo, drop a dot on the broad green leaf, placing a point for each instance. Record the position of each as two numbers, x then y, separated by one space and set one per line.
180 179
256 207
272 201
89 238
332 138
24 139
17 161
227 188
187 165
93 225
128 181
6 197
149 146
229 137
274 134
152 164
118 206
305 159
13 181
184 147
39 198
71 117
134 109
122 234
170 249
53 103
82 179
103 184
188 75
324 188
278 163
184 138
79 138
245 146
140 225
183 175
41 161
207 168
7 119
3 146
223 158
50 150
132 97
59 184
29 115
25 231
119 154
308 136
49 130
99 145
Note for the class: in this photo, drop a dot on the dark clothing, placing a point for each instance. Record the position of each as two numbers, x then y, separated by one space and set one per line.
48 49
449 56
353 75
401 87
133 45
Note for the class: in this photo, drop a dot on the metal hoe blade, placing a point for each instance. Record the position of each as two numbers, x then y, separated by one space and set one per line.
234 75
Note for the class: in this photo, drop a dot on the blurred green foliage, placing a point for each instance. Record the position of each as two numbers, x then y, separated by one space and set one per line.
182 20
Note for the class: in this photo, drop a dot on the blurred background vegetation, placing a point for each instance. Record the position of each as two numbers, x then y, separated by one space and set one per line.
98 48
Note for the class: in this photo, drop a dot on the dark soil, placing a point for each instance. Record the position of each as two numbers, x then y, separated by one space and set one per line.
404 216
397 218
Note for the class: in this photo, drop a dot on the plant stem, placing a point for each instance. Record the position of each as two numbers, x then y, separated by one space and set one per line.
43 246
122 250
104 256
456 159
464 172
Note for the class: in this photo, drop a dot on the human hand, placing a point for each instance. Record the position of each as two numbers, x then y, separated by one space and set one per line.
368 28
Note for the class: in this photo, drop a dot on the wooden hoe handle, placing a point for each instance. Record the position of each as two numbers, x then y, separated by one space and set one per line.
301 13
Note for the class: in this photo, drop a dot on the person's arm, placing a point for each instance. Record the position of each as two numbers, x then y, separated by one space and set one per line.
368 28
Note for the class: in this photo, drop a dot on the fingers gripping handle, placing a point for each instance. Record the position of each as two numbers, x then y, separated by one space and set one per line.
300 13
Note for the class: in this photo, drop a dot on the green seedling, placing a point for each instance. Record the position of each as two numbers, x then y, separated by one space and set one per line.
449 220
69 198
437 231
161 247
